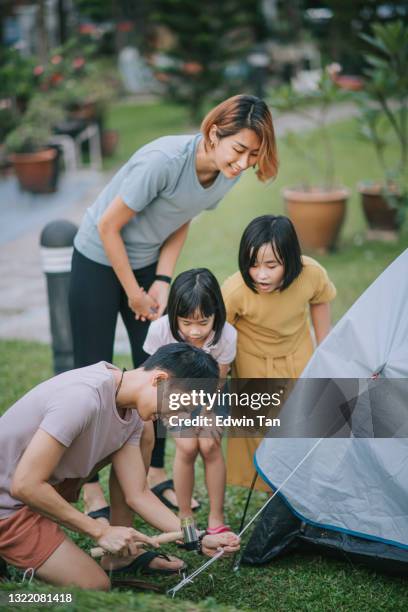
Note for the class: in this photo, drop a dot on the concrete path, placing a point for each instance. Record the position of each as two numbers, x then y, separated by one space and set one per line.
23 300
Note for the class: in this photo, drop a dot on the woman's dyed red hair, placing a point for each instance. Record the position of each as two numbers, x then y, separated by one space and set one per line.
250 112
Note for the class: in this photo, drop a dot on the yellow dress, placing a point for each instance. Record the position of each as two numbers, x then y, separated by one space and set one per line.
274 341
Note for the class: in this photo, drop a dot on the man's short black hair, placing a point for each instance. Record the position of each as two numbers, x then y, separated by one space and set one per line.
279 232
182 360
189 367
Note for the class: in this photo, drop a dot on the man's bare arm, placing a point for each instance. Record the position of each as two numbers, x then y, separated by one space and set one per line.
30 485
131 474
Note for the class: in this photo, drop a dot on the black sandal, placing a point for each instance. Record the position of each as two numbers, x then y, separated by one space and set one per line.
101 513
159 489
141 566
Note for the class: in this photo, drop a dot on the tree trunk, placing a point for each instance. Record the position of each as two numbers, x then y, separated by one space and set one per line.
42 34
62 22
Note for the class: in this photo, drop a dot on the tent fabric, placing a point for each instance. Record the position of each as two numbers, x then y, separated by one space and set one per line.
279 531
352 486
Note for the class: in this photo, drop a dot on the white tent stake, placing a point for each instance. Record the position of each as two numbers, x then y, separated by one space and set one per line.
190 578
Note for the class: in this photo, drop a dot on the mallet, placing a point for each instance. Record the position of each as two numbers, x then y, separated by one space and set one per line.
162 538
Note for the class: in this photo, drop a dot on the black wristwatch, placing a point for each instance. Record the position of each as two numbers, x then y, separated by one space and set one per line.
163 277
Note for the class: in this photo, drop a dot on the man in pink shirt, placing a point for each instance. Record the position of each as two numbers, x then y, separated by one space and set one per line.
57 436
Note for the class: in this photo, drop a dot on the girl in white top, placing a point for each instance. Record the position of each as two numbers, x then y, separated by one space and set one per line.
196 314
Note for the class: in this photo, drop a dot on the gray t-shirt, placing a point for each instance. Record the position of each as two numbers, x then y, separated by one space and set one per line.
76 408
160 184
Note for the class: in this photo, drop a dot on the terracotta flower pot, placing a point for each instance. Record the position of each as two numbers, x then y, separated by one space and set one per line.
36 172
317 216
380 216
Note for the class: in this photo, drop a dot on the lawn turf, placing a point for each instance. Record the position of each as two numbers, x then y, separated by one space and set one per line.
295 582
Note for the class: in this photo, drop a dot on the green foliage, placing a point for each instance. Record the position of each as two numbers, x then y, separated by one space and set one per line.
35 128
208 36
27 138
8 121
384 104
43 111
314 106
16 74
95 9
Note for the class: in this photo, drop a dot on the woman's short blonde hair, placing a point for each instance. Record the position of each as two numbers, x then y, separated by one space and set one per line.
250 112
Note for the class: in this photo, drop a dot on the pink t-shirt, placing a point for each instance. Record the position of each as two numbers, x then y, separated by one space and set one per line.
78 409
159 334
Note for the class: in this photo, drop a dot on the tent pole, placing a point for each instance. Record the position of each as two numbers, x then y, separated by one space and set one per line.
236 562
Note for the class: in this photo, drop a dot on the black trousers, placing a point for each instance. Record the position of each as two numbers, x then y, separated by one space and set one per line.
96 298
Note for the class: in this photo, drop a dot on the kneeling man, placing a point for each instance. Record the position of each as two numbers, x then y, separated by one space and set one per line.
61 433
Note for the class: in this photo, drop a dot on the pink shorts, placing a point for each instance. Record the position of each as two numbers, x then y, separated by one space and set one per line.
28 539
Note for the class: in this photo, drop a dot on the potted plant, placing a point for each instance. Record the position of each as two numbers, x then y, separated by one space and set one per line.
383 119
17 77
316 207
34 161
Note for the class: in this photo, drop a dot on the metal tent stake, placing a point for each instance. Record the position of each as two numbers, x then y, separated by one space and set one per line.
189 579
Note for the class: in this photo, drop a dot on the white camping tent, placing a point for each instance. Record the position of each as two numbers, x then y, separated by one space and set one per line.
350 493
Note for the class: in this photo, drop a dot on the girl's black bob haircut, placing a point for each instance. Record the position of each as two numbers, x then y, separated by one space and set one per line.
279 232
194 291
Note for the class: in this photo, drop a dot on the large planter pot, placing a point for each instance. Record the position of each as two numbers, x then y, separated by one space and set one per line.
317 216
36 172
380 216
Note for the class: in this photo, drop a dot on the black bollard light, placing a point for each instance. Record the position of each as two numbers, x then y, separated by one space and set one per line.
56 243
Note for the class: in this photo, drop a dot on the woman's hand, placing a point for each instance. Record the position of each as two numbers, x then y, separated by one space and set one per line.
229 541
159 291
143 305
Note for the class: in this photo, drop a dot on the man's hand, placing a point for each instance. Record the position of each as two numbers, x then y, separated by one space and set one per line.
159 292
123 540
229 541
143 305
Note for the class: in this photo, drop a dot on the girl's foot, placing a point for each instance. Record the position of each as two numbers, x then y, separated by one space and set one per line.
215 520
219 529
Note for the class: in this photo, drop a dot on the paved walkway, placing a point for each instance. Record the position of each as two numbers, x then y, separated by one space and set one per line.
23 300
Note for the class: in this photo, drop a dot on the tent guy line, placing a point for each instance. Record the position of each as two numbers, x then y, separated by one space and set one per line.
188 579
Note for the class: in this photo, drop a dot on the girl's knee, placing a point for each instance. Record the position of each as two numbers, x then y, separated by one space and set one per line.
209 448
187 449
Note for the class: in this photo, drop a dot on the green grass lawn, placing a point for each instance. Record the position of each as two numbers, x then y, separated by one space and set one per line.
295 582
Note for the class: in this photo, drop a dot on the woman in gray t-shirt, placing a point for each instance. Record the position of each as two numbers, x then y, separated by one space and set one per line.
129 241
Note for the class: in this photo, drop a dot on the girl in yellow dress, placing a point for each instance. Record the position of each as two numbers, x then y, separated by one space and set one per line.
269 302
